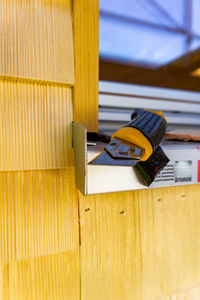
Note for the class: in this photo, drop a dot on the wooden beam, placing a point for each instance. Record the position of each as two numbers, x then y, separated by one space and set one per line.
86 23
174 76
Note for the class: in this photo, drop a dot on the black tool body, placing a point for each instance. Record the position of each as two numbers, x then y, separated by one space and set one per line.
150 124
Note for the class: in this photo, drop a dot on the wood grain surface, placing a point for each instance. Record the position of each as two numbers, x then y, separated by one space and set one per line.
38 214
35 126
43 278
39 226
36 40
190 294
54 242
86 49
170 236
110 247
140 245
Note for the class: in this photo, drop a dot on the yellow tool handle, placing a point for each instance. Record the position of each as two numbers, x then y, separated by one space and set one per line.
145 131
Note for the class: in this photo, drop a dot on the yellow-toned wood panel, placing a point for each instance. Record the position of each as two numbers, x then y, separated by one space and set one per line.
35 126
191 294
110 247
170 239
36 40
50 277
38 214
4 282
140 245
86 49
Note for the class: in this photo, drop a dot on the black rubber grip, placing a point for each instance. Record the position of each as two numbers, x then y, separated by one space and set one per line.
152 166
151 125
